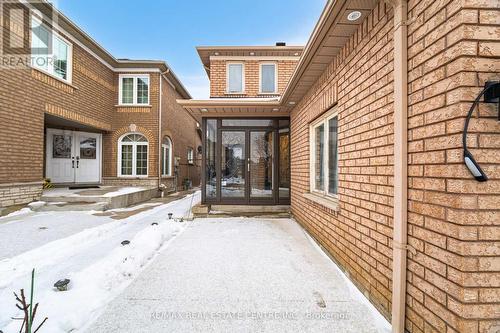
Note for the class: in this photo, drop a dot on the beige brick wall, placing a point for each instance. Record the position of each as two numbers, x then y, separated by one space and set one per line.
359 235
26 95
453 279
454 221
252 73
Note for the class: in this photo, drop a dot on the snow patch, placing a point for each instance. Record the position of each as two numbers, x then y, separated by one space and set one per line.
94 286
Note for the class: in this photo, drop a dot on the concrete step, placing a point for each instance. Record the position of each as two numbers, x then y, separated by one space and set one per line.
277 211
111 202
73 206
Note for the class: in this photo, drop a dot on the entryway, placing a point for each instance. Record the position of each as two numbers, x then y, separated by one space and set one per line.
246 161
73 156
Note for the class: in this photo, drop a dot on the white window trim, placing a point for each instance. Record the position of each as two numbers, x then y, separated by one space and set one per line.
167 159
190 155
134 156
242 78
275 78
134 89
54 34
322 120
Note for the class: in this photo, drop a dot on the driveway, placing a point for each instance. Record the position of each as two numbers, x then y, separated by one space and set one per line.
241 275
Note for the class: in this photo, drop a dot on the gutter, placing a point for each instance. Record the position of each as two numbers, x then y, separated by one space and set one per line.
159 133
400 228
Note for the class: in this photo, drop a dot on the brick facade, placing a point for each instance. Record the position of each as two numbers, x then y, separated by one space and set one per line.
453 232
252 73
28 96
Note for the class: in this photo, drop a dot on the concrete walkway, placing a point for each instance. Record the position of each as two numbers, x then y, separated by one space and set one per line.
241 275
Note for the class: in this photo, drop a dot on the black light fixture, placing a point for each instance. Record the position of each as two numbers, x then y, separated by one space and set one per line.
491 94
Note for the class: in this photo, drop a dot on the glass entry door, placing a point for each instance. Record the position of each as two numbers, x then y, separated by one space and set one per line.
233 165
261 165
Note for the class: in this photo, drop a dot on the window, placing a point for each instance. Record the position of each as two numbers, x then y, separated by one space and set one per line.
268 78
235 78
166 157
134 90
190 155
133 155
50 53
324 155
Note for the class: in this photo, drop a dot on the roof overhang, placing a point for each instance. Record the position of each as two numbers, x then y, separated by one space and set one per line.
206 52
333 30
235 107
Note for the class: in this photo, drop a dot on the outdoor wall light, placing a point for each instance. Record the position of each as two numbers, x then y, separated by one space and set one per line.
204 110
252 53
291 103
354 15
276 109
491 94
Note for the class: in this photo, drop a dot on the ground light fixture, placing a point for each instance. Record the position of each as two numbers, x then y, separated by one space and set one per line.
62 285
354 15
491 94
125 242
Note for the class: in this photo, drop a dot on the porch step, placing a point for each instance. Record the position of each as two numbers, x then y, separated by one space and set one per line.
106 197
72 206
277 211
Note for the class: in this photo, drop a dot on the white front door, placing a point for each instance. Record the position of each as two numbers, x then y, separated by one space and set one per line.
73 157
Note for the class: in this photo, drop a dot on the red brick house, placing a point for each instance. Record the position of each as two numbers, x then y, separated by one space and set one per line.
361 132
89 118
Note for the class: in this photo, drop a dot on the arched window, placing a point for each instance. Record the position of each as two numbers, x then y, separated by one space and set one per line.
166 157
133 155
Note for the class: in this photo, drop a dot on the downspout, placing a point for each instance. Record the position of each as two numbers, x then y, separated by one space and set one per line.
400 232
159 135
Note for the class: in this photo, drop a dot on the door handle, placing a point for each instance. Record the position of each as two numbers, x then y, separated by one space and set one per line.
77 161
73 162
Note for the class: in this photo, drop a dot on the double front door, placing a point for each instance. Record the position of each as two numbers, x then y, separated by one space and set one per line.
73 156
247 165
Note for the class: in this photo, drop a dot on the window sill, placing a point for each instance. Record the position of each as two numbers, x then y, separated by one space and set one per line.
132 177
235 93
328 202
167 177
55 77
133 106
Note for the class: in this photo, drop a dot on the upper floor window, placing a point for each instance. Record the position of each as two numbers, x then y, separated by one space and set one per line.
134 89
324 154
268 78
50 52
235 78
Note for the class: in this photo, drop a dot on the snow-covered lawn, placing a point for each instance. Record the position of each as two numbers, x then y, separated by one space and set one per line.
84 248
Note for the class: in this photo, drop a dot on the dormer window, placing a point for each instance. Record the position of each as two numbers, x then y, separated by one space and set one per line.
235 78
268 77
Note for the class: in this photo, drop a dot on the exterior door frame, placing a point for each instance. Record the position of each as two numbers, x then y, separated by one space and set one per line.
75 155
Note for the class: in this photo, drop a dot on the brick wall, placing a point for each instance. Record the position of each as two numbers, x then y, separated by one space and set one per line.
182 129
252 73
359 234
453 281
27 95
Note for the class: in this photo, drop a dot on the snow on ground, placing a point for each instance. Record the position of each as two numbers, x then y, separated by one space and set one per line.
94 259
123 190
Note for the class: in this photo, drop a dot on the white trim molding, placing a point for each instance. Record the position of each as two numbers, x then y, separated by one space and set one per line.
134 156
